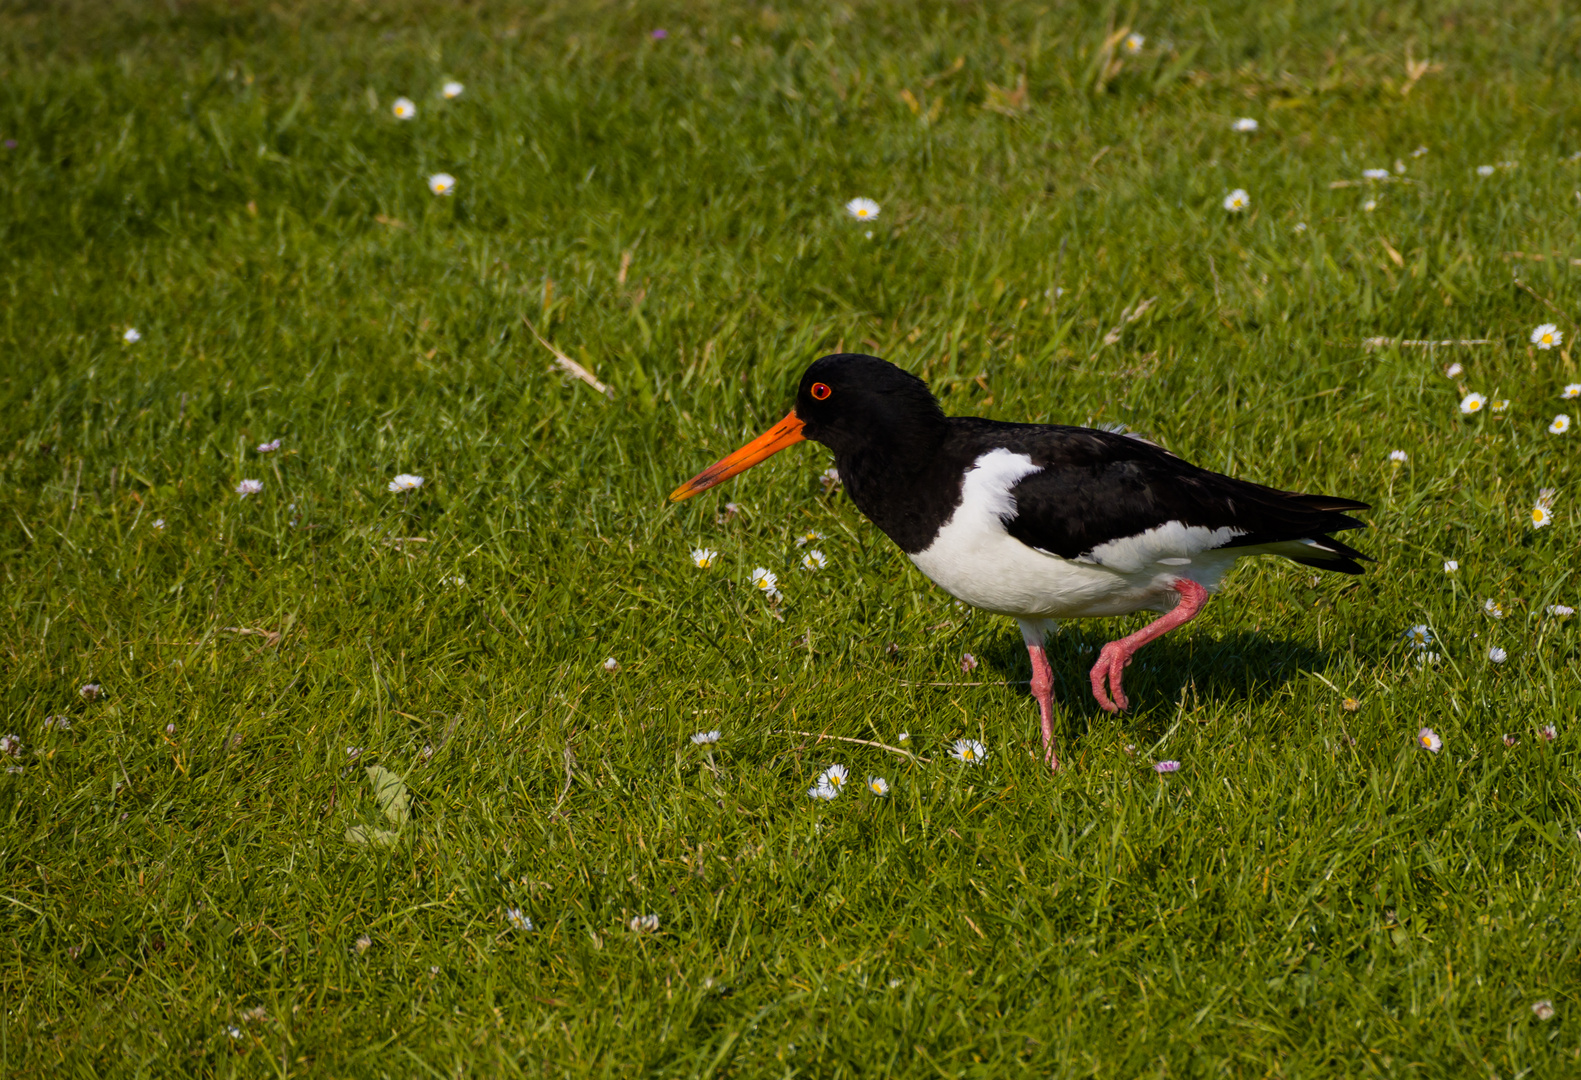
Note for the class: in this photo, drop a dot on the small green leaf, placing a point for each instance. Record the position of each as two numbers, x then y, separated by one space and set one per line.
390 792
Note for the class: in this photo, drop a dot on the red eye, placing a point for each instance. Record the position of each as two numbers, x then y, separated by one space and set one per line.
820 391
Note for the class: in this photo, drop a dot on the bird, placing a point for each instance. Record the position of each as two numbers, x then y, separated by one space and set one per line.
1042 522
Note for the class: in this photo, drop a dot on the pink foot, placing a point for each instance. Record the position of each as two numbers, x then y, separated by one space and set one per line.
1111 662
1115 655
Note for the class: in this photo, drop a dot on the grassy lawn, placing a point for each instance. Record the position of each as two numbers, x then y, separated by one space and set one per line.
348 743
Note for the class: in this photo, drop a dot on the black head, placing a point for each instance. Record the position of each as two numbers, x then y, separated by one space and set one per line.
875 417
851 403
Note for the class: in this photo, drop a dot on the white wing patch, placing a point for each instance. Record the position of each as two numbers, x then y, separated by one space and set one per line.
1171 544
986 488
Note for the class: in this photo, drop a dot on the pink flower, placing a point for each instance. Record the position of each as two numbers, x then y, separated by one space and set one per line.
968 662
1167 767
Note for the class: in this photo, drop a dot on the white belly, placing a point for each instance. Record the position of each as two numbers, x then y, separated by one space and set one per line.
974 559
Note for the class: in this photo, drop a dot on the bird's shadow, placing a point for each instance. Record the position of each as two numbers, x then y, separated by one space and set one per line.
1238 667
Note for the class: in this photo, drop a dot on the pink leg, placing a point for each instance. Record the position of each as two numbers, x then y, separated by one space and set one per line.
1043 690
1117 654
1042 686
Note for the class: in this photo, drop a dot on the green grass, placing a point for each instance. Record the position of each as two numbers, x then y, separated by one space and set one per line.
1309 896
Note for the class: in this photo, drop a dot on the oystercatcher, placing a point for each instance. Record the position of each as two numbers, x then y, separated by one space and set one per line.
1042 521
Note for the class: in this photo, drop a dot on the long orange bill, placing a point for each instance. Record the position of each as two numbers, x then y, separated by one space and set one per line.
771 442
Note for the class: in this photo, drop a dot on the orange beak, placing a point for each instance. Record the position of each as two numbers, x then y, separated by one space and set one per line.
771 442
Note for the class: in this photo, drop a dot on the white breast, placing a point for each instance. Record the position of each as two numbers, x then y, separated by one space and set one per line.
974 559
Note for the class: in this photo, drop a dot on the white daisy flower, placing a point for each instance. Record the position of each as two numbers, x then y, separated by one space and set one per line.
821 791
517 920
1245 123
11 746
1375 174
1419 636
1543 1010
968 750
862 209
249 487
1473 402
1370 205
353 752
878 786
404 482
159 523
1237 200
269 447
1497 655
1399 457
1484 170
833 778
1426 659
703 558
1571 391
452 89
1542 517
1454 370
814 560
1420 151
1301 227
808 537
131 337
1547 336
1134 43
705 738
903 737
1499 406
1560 425
1493 608
1428 740
403 108
611 664
1450 566
644 924
765 580
1561 611
442 183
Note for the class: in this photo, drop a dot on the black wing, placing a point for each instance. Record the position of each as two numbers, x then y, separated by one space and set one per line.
1093 487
